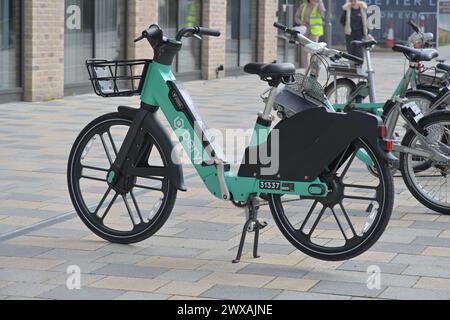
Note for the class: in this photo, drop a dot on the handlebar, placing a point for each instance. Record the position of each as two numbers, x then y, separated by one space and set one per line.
319 48
188 32
414 26
154 33
355 59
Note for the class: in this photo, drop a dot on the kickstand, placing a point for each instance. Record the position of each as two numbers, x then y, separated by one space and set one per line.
252 224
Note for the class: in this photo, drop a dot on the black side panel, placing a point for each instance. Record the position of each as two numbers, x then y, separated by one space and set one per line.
154 127
309 142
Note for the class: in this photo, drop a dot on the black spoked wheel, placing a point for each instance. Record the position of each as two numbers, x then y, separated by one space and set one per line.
350 219
122 216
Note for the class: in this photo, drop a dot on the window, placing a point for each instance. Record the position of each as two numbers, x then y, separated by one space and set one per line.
287 52
10 51
94 29
174 15
242 25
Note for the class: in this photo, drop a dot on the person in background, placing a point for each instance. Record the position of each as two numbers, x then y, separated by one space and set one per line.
310 14
354 20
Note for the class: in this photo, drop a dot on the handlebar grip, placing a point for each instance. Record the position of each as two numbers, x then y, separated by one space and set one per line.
152 31
358 60
280 26
208 32
413 25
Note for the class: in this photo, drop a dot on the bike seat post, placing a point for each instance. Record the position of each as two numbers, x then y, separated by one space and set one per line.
370 75
266 114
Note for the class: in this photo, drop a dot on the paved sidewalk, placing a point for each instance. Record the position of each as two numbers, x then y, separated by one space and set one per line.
190 257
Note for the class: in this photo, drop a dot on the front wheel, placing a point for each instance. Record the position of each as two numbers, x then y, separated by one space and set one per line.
116 215
350 219
430 186
340 92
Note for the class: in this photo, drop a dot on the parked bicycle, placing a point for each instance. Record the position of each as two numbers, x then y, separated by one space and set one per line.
424 150
123 176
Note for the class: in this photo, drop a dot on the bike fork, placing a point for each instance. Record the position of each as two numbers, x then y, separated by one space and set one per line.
251 225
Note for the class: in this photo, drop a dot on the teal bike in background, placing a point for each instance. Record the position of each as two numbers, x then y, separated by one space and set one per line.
420 132
124 173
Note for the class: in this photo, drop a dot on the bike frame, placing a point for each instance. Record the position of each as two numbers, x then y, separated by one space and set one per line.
161 90
377 107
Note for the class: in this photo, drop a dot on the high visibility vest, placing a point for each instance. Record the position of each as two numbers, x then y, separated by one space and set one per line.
315 20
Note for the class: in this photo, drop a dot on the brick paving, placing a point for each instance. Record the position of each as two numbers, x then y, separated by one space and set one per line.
190 257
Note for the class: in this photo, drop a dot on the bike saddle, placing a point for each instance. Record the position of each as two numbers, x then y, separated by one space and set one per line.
416 55
271 70
443 66
363 43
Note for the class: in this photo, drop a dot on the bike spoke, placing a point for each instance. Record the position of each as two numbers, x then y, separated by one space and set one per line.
93 178
94 168
360 198
359 186
350 224
338 164
112 143
106 149
317 221
308 215
350 160
339 223
109 206
130 213
102 200
138 211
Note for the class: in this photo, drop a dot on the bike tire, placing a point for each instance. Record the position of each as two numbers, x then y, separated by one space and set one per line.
408 174
92 221
300 240
341 83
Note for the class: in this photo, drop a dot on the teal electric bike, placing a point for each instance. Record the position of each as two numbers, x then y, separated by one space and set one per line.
124 171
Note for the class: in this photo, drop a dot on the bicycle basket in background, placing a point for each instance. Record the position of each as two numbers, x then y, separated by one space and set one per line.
117 78
308 86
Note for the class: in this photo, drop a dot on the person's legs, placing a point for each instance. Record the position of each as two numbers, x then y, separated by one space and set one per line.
348 40
306 56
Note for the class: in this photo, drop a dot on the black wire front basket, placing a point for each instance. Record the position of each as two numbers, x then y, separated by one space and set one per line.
118 78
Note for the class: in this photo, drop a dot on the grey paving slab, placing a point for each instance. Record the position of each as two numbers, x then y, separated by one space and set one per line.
134 295
296 295
398 247
24 289
74 255
26 276
432 241
240 293
85 293
274 270
166 251
21 251
435 271
130 271
345 288
184 275
414 294
361 266
422 260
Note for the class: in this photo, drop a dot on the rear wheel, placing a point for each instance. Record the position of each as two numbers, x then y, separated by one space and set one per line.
340 92
430 186
350 219
118 216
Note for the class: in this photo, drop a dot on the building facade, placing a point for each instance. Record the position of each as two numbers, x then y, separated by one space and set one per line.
44 43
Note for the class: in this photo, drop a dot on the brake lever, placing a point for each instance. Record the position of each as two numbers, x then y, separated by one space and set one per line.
139 38
197 36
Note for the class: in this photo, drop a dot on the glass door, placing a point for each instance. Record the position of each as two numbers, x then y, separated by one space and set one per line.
242 24
94 29
174 15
